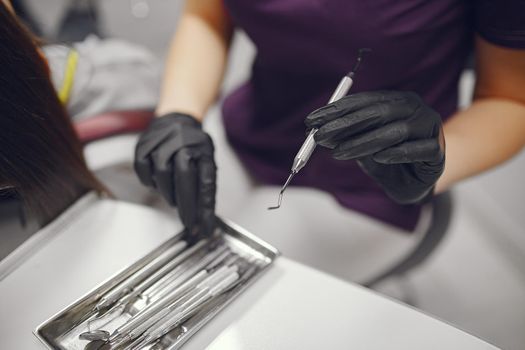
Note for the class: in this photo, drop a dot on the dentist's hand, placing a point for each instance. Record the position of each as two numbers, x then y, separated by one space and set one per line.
395 137
175 156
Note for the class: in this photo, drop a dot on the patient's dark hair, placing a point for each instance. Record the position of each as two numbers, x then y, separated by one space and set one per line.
40 155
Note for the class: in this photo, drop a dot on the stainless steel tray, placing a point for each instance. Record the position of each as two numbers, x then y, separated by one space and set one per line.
62 330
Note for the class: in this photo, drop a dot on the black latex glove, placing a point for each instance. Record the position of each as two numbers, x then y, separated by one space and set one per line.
396 139
175 156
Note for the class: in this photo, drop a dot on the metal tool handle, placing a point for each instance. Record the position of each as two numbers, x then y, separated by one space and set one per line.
308 147
305 152
342 89
144 314
192 305
200 280
127 286
217 276
153 278
188 269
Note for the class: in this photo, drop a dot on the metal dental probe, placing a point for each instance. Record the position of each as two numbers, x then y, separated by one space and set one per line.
138 324
129 301
178 279
245 275
169 266
206 276
309 144
128 291
175 317
127 286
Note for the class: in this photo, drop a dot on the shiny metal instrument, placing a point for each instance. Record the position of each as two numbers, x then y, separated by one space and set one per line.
178 276
137 325
195 278
206 290
308 147
127 286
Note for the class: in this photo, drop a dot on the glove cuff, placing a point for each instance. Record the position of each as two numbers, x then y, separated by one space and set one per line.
182 118
428 197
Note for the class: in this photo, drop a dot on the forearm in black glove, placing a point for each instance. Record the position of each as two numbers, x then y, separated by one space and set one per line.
395 137
175 156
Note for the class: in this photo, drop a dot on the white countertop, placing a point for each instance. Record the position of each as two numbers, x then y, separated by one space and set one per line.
295 307
290 307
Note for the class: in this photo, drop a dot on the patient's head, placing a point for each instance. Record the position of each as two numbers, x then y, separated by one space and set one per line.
40 156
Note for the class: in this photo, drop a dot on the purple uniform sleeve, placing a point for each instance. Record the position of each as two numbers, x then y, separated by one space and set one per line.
501 22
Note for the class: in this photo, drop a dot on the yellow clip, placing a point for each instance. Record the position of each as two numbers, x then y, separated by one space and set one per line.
69 77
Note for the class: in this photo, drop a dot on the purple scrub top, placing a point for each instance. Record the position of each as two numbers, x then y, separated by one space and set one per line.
304 47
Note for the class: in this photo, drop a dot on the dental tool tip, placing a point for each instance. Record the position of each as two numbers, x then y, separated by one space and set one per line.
280 200
360 55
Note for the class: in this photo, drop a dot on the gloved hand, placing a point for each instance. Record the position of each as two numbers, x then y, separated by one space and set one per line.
175 156
394 136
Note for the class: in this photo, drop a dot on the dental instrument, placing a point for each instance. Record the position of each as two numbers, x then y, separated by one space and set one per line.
309 144
134 326
186 309
157 291
127 286
128 293
129 301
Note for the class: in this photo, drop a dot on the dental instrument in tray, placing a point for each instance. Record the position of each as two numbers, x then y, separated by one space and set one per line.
126 293
161 282
214 285
309 144
150 290
215 263
127 286
152 313
210 260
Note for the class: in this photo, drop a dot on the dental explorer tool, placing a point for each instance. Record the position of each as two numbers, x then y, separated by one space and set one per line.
309 144
169 267
134 327
127 292
185 310
190 270
138 323
206 276
127 286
